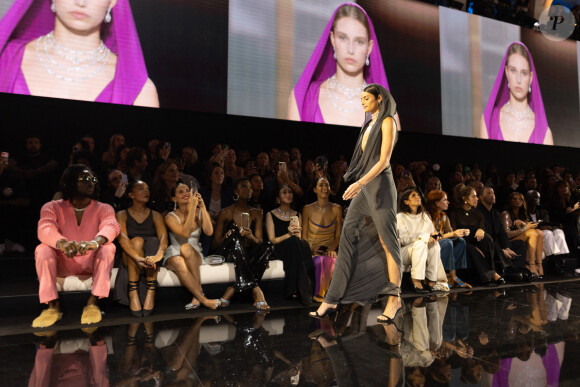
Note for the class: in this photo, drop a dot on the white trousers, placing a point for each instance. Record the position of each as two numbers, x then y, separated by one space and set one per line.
423 260
555 242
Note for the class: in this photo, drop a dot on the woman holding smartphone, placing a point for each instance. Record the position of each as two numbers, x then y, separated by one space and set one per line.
183 256
238 237
284 232
374 200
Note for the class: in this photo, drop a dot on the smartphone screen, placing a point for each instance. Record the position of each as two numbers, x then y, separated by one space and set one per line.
282 166
245 220
124 180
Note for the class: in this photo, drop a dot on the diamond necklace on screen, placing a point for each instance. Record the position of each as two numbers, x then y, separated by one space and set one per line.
518 119
350 96
70 62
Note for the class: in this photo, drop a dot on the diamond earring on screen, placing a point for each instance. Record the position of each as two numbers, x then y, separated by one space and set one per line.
334 53
108 16
53 7
367 62
530 88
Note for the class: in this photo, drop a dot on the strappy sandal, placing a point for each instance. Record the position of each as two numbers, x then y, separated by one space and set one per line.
134 287
458 282
151 285
262 305
191 306
224 303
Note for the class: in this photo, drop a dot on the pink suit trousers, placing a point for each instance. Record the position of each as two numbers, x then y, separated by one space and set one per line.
51 263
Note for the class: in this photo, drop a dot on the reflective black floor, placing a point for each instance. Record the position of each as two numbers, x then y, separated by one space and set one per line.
520 336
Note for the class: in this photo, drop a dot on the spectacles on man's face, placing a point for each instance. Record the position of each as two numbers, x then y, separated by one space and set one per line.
88 179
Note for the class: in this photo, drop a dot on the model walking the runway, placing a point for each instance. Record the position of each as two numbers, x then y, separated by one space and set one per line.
368 257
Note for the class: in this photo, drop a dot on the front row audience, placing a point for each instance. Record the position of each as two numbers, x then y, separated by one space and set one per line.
77 234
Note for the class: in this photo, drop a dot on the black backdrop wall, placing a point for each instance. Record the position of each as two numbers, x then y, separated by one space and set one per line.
60 122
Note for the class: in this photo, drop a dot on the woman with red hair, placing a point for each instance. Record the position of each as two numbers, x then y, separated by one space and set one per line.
453 253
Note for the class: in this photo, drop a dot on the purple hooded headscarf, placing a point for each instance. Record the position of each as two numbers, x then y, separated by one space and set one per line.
500 95
27 20
322 66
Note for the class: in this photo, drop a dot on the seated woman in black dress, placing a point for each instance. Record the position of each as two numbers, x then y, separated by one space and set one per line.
143 238
480 249
284 232
239 227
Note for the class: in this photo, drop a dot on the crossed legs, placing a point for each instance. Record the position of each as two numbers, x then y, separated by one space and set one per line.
186 267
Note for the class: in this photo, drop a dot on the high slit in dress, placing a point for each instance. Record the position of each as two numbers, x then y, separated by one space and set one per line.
360 272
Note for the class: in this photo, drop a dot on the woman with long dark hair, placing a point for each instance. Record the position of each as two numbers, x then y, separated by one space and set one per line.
373 205
480 249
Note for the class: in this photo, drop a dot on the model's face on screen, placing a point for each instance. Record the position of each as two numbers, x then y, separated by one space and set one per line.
519 76
82 15
351 44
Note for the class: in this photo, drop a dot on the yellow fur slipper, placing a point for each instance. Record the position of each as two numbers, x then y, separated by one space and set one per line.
47 318
91 315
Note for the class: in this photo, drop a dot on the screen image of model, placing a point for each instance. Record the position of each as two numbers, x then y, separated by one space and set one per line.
507 83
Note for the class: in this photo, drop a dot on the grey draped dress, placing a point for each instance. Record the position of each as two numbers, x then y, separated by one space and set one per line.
360 273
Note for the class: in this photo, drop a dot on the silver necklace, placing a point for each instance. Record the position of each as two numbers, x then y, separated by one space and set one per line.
344 98
373 120
323 209
285 214
518 120
73 66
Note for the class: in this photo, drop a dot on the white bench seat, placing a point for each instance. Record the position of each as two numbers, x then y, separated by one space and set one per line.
210 274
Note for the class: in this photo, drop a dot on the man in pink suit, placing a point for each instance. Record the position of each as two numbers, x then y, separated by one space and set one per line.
76 234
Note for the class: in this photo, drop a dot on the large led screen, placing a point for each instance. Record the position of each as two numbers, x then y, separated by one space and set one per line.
450 72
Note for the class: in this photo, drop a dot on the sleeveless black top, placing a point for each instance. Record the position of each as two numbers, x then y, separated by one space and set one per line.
145 229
